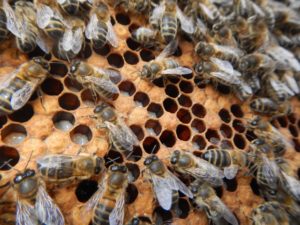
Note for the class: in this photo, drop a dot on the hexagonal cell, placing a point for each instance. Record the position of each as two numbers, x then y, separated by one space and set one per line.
292 118
146 55
123 18
127 88
131 193
199 110
183 132
22 115
226 130
199 142
153 127
199 82
13 134
230 185
88 98
72 85
159 82
131 58
186 86
293 130
138 131
225 115
151 145
52 86
141 99
3 120
103 51
81 134
85 189
112 157
172 91
237 110
134 171
296 144
167 138
250 135
115 60
155 110
63 120
239 141
132 44
8 155
282 121
184 116
184 208
68 101
58 68
198 125
170 105
185 101
212 136
238 126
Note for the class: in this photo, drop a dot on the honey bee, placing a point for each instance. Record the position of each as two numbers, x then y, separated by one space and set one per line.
269 213
75 7
18 87
145 36
22 23
164 17
223 35
120 135
206 199
229 160
4 32
66 168
95 78
163 66
137 6
186 163
221 72
107 204
165 184
206 50
99 29
268 106
208 12
262 146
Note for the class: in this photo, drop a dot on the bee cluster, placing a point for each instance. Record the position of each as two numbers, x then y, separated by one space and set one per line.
110 108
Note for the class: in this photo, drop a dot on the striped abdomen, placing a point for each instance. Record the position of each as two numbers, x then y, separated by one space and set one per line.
265 180
219 158
101 38
70 6
168 27
263 105
27 42
3 30
6 94
170 64
55 28
104 208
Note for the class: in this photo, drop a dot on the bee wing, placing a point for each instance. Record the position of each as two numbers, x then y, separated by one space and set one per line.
223 65
110 73
177 71
293 185
25 214
228 49
291 83
231 171
157 13
116 217
270 170
206 11
77 40
275 83
105 84
185 22
43 15
219 206
91 203
12 24
43 42
177 185
91 28
229 78
168 50
47 211
67 40
129 135
20 97
111 35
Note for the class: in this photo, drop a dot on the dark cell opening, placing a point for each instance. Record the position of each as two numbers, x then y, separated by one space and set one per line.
159 82
162 216
138 131
131 58
52 86
226 130
141 99
172 90
146 55
85 190
198 125
133 27
184 208
155 110
134 171
293 130
199 142
292 118
184 116
230 185
185 101
68 101
103 51
237 111
8 155
136 154
250 135
151 145
212 136
22 115
89 98
63 120
153 127
132 44
238 126
199 110
199 82
239 141
73 85
183 132
81 134
225 115
178 52
186 86
282 121
86 52
167 138
127 88
58 68
13 134
122 19
296 144
254 186
219 191
225 90
173 79
112 157
112 20
170 105
115 60
188 76
131 193
3 120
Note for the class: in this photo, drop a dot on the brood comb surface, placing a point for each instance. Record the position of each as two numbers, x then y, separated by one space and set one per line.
182 115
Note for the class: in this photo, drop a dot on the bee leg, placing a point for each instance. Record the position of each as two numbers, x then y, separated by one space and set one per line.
40 95
94 93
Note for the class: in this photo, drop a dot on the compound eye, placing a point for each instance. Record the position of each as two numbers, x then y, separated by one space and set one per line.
18 179
29 173
114 168
173 160
148 161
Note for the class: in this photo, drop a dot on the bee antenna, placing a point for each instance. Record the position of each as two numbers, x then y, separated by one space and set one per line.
153 149
112 160
7 163
28 160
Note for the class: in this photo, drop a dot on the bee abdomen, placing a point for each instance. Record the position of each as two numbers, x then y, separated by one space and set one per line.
168 28
55 28
101 39
263 105
102 212
218 158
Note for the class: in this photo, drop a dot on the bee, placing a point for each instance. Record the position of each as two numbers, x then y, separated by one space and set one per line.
268 106
66 168
145 36
223 35
107 204
75 7
221 72
208 12
269 213
186 163
120 135
99 29
165 184
229 160
95 78
137 6
18 87
206 199
4 32
262 146
164 17
206 50
22 23
163 66
200 32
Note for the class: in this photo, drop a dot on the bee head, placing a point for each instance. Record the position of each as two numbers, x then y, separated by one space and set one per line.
18 178
41 61
74 66
150 159
175 157
118 168
146 72
198 68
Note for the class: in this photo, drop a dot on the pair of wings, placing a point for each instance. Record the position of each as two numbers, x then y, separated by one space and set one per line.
92 30
164 186
44 211
185 22
125 136
19 26
228 50
116 217
293 185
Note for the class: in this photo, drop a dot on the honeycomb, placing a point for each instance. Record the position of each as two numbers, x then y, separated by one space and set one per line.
181 115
